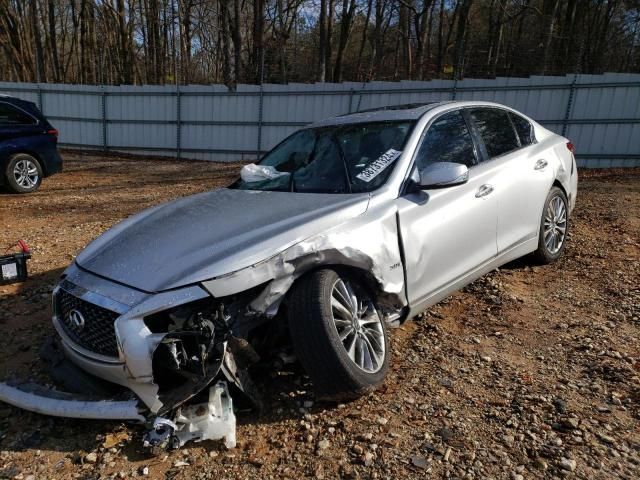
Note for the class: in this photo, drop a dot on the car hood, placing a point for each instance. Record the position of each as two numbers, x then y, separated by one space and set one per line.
212 234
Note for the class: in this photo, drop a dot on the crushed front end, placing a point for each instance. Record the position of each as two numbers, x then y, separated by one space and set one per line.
172 348
167 348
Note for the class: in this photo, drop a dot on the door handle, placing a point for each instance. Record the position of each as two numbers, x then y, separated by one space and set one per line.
484 190
540 164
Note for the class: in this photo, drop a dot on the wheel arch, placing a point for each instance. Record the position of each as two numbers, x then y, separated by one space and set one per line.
360 274
390 305
565 190
558 183
26 151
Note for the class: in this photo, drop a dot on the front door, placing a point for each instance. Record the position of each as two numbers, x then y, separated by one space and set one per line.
447 233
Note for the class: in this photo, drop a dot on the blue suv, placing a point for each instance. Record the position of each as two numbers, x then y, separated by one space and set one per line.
28 146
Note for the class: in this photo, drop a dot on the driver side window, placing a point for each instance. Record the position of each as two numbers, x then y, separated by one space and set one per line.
447 140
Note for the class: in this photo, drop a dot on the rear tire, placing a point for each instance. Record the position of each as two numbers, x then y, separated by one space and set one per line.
342 344
23 173
554 227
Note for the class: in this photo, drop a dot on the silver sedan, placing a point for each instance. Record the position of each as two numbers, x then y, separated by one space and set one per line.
349 226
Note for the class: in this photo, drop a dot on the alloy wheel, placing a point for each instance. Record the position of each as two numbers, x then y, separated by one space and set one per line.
359 327
26 173
555 225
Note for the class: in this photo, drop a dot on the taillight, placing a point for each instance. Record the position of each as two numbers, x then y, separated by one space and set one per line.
52 131
571 147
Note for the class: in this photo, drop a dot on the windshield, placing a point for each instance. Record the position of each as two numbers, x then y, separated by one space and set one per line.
336 159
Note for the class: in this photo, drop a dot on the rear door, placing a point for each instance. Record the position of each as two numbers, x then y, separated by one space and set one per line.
523 173
447 233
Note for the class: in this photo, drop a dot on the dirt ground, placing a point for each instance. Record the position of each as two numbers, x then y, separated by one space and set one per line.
530 372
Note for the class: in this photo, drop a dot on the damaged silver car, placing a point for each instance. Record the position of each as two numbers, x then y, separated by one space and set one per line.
349 226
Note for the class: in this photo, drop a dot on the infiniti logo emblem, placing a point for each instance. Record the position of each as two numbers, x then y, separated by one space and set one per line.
76 319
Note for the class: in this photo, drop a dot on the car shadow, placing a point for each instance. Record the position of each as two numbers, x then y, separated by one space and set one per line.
520 263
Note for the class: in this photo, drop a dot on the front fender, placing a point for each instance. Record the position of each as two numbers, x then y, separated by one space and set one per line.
369 242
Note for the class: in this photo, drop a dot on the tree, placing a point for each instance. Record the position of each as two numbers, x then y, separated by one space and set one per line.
248 41
461 30
346 19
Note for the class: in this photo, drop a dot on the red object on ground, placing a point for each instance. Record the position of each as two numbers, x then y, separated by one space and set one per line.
23 246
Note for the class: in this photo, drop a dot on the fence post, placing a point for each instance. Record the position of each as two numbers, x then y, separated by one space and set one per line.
260 107
40 107
454 87
104 119
567 113
363 88
178 123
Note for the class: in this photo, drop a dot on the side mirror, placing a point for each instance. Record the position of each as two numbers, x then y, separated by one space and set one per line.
443 174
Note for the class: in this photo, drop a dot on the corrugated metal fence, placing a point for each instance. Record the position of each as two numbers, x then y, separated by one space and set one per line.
599 113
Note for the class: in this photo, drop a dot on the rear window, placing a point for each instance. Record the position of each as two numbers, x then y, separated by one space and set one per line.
10 115
524 129
495 129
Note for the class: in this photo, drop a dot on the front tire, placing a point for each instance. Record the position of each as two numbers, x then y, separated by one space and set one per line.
338 335
23 173
554 227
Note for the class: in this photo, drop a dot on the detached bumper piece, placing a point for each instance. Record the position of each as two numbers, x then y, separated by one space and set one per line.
36 398
214 420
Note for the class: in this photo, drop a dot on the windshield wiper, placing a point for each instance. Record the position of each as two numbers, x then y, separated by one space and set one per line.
344 161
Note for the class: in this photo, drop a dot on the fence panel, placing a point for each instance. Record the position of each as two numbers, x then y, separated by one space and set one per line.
599 113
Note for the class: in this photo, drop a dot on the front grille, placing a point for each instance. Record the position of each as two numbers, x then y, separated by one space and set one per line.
93 330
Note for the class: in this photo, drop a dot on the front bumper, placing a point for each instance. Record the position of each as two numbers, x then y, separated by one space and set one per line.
48 402
132 368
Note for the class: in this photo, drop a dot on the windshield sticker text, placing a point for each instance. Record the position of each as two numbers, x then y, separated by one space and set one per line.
379 165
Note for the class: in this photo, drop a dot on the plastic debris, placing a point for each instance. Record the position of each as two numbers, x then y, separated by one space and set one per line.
214 420
259 173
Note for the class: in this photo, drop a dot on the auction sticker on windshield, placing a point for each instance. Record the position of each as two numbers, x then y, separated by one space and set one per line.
379 165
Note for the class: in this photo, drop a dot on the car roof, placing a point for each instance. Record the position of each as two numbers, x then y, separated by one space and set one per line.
12 100
411 111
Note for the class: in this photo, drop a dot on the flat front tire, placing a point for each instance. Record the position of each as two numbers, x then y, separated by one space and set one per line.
23 173
338 335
